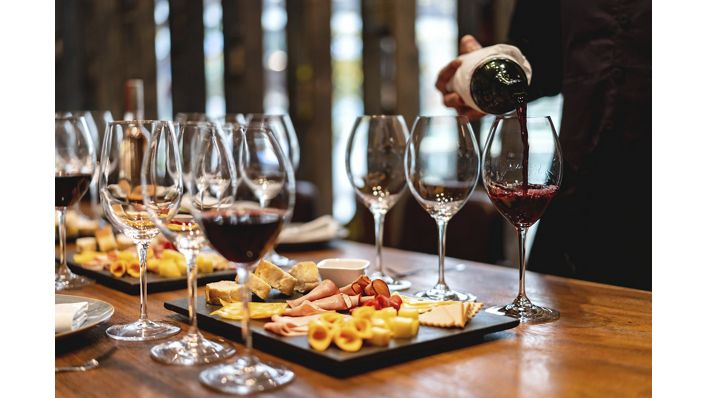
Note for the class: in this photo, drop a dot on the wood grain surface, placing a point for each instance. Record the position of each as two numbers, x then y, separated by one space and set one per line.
600 346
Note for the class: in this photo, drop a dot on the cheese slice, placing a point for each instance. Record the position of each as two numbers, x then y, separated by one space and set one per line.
456 314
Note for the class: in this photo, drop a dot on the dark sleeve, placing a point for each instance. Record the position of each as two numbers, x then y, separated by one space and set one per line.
536 30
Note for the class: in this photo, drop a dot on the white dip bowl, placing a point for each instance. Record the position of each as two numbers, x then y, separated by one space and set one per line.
342 271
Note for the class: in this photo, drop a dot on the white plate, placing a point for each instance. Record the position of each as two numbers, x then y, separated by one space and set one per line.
97 312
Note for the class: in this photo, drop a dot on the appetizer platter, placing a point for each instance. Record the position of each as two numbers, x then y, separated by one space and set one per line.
340 330
112 261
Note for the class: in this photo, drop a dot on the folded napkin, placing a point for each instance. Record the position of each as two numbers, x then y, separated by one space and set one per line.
321 229
69 316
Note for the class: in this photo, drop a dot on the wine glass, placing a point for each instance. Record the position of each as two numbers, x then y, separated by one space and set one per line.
284 132
243 228
522 171
125 146
441 168
161 173
375 154
74 167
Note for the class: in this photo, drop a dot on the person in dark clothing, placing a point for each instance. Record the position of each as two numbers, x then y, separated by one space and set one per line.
598 55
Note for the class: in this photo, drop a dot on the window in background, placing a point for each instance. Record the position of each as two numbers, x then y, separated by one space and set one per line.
274 22
347 98
213 58
436 38
163 46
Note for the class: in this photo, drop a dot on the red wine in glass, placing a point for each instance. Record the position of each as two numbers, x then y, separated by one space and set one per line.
68 189
522 205
242 236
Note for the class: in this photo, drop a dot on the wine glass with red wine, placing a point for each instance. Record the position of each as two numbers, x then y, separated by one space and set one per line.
161 173
125 146
442 168
74 167
522 171
375 154
241 205
284 131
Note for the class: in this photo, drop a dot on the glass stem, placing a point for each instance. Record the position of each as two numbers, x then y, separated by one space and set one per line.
379 220
441 249
61 219
521 252
245 300
190 256
142 247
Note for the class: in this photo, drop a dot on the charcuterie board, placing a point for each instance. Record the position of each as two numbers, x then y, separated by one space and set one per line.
429 341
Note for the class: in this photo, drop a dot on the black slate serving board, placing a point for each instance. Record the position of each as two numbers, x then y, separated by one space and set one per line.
338 363
155 283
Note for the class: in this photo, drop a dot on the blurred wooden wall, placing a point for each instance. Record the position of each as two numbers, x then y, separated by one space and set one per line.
101 44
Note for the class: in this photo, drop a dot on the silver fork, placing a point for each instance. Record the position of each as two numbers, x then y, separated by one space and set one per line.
88 365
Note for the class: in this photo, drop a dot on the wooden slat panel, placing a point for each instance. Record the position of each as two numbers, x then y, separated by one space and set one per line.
309 88
407 67
138 48
186 24
68 65
118 41
102 43
243 56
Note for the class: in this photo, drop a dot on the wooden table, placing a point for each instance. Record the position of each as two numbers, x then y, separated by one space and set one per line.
600 346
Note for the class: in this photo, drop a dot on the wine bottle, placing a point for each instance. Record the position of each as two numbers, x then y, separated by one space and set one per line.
493 79
134 105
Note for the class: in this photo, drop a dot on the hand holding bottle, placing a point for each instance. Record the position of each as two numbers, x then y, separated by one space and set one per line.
450 98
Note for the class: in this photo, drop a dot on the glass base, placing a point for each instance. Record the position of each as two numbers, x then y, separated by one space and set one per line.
280 260
247 375
525 311
67 280
142 330
444 293
393 284
192 349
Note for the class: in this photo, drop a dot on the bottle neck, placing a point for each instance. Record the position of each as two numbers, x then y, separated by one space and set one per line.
134 100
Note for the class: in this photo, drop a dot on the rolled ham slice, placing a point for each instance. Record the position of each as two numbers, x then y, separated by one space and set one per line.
337 302
305 308
286 329
325 289
289 325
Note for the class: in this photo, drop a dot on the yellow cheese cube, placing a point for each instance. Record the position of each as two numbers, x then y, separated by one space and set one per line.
403 327
168 269
169 254
385 314
379 337
204 264
409 313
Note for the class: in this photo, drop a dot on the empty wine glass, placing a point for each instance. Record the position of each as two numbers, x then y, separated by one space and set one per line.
121 190
161 174
284 132
522 171
442 167
243 228
375 166
74 166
